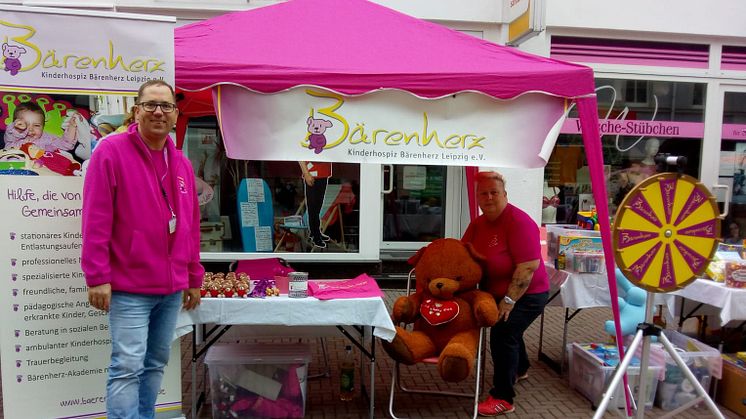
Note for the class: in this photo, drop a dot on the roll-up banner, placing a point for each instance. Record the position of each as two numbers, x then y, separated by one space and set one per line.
66 78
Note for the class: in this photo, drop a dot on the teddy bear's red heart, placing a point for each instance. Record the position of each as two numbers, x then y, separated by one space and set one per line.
437 312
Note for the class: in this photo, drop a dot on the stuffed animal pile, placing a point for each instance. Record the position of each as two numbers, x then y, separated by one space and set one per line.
232 285
447 310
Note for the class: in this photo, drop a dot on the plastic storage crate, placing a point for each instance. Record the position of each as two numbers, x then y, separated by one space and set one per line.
258 380
704 361
591 374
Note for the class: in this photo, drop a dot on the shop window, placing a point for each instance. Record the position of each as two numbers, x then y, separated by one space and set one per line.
413 209
639 119
271 215
636 92
732 169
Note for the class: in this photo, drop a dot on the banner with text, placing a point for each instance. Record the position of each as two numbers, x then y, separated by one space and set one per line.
58 50
467 129
638 127
54 347
52 343
662 129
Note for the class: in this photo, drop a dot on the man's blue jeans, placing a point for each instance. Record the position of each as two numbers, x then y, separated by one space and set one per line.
142 329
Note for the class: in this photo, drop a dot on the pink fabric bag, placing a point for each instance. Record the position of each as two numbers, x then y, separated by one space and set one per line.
266 268
361 286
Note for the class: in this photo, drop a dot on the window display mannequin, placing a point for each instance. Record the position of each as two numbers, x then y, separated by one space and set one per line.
315 180
549 204
652 145
640 170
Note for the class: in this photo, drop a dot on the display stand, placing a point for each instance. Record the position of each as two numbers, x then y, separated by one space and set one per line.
665 233
644 334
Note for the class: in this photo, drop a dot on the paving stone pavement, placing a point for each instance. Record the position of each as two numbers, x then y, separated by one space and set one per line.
544 394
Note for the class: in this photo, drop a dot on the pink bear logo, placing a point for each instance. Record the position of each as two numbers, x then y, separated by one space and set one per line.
12 60
317 127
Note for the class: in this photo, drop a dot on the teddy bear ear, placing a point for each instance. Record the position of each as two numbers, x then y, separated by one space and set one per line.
475 254
416 257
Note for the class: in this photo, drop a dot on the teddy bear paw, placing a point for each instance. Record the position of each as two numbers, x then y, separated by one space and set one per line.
453 369
399 351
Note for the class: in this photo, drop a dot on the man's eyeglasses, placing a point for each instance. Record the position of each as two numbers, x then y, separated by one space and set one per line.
166 107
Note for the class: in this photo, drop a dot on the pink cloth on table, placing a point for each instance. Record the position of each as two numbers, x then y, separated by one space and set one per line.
362 286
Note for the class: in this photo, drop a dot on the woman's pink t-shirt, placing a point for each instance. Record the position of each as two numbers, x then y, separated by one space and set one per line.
511 239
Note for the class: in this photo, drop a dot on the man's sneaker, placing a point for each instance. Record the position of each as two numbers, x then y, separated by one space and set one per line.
521 377
318 242
324 237
494 407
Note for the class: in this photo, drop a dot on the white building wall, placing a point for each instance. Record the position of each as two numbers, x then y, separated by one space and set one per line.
714 23
718 18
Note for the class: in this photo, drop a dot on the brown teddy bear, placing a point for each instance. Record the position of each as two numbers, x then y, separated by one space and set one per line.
447 310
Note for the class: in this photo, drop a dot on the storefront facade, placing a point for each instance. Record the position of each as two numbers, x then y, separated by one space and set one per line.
671 79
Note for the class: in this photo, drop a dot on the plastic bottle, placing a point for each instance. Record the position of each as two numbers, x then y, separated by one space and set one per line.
347 375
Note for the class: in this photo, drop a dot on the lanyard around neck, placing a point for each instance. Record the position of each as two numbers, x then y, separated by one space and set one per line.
160 184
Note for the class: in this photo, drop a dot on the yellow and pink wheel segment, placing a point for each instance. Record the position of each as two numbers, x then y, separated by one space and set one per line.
665 232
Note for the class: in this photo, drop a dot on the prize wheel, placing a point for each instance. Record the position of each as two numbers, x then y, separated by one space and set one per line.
665 232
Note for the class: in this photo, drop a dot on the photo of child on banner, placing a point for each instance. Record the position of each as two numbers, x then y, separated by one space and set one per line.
44 135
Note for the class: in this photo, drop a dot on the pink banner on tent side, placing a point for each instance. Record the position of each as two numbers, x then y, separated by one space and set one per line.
634 127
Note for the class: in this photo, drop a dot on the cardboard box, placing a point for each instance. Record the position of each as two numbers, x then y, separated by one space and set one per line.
210 245
725 253
732 388
553 233
577 243
258 380
585 262
293 221
211 230
591 374
735 274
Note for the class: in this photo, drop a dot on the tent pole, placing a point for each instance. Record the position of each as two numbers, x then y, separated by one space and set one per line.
588 112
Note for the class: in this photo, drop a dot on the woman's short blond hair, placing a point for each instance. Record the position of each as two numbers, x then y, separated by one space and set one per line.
490 175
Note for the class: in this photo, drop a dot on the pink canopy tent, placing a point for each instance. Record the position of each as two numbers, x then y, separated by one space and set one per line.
354 47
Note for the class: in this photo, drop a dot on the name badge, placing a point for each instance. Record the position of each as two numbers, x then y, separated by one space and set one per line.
172 225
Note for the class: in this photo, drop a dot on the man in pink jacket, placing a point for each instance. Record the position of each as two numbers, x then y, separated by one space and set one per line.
141 247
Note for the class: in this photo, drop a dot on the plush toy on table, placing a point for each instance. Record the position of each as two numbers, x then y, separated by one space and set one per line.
447 310
631 307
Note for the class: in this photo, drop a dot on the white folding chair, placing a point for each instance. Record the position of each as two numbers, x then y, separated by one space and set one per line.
396 376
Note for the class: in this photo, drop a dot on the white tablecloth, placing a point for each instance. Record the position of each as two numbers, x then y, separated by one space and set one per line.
585 290
290 312
731 302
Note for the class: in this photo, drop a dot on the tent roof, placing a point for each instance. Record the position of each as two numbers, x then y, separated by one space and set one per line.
355 46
